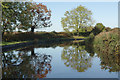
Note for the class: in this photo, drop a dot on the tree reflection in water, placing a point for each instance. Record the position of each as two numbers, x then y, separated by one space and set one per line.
21 64
25 63
77 58
41 65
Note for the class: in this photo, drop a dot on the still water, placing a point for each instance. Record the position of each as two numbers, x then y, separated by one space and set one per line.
63 60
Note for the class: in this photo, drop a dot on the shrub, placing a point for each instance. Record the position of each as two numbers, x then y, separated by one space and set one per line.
54 32
107 29
91 35
99 27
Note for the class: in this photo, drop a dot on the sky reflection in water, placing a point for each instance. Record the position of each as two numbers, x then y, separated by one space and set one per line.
60 61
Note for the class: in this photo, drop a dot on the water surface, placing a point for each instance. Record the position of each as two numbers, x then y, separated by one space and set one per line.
64 60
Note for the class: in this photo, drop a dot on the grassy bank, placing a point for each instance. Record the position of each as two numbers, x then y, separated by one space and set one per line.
26 36
107 47
10 43
108 40
21 37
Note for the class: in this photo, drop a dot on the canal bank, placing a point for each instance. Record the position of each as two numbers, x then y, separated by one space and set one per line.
6 48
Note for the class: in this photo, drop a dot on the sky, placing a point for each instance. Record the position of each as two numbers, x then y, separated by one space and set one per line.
103 12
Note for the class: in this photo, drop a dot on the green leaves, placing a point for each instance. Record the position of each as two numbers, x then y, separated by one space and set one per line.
98 28
24 15
77 19
76 57
8 17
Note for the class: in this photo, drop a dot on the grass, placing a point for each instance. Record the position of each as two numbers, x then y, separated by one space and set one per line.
16 42
78 37
107 42
11 43
107 47
21 37
26 36
77 41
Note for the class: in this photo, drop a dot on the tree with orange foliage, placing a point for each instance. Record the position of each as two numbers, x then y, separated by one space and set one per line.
24 16
41 16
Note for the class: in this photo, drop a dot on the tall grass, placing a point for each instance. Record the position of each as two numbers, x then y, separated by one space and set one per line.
109 39
107 47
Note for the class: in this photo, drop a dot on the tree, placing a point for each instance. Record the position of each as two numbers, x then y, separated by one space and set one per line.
36 16
9 17
77 19
14 14
99 27
24 15
76 57
26 65
41 17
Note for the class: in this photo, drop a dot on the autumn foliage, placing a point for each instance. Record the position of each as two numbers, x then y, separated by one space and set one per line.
24 16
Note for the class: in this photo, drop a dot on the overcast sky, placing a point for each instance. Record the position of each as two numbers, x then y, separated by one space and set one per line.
103 12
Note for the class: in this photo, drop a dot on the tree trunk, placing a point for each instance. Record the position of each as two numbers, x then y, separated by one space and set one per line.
2 34
32 29
77 32
32 52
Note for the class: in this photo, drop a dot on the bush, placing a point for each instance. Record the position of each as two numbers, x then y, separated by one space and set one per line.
99 27
107 29
91 35
54 32
90 39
